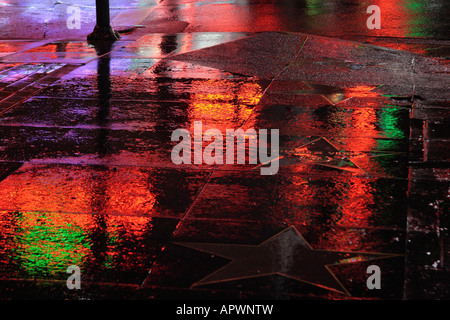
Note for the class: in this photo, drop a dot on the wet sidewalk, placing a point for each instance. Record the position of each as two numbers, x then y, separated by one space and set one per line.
87 178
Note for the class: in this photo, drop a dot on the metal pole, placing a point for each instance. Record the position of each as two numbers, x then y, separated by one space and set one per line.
102 12
103 29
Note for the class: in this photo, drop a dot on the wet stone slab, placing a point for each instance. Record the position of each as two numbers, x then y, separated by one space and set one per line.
93 87
150 88
59 57
6 168
12 46
284 92
429 152
17 72
99 144
427 266
428 198
86 176
321 120
332 73
55 112
357 155
133 191
71 47
321 237
36 289
26 80
316 48
162 45
431 287
184 70
125 115
90 146
238 56
111 249
108 66
324 197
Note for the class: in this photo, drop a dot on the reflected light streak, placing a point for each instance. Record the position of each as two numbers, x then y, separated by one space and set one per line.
126 191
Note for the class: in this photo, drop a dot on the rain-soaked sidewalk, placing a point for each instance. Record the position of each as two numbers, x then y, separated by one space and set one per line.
87 178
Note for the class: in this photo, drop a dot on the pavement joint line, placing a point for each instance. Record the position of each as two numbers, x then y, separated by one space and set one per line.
33 92
188 211
417 40
239 290
38 280
115 214
301 223
175 53
184 218
34 162
274 79
38 44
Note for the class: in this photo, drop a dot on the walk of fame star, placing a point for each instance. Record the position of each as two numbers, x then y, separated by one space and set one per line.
287 254
320 152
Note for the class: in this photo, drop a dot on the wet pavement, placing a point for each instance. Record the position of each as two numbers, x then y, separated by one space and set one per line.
87 178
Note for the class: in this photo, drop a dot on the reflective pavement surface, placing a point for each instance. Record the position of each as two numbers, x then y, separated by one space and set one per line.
87 178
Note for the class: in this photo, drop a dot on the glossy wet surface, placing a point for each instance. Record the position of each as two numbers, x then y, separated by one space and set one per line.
405 18
87 179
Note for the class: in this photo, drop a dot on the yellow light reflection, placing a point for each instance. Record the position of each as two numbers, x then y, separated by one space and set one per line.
225 101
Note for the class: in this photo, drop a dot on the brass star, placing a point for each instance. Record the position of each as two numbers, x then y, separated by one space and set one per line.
286 254
320 152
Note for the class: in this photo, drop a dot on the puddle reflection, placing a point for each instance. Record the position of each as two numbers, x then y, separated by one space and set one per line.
42 245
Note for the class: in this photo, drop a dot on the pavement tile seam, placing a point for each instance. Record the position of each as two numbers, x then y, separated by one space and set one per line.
297 223
155 216
16 98
114 210
197 56
33 44
93 213
4 279
290 170
267 89
251 293
197 196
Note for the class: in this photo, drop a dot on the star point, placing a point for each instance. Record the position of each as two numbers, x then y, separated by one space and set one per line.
321 152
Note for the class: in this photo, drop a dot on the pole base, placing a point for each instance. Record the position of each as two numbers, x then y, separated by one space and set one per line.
103 33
